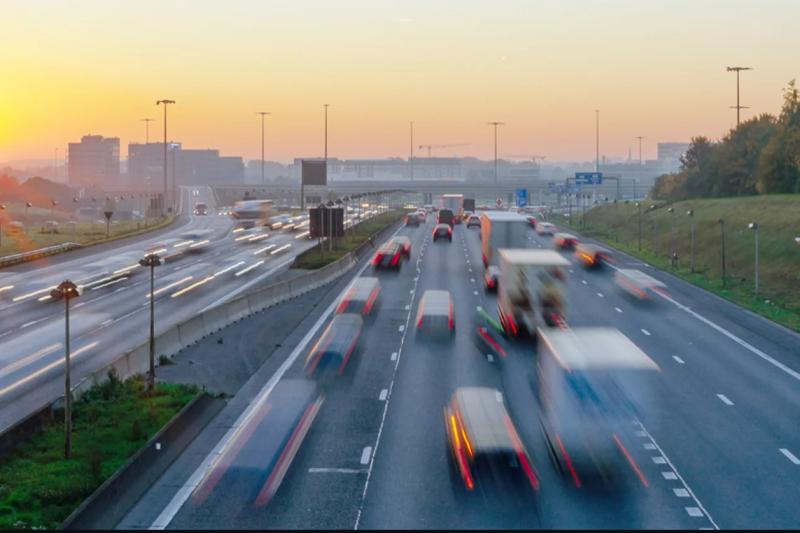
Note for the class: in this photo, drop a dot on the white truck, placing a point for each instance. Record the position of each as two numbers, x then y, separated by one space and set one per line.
531 290
590 383
502 229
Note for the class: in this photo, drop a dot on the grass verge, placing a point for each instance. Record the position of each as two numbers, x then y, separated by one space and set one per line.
356 236
39 488
778 217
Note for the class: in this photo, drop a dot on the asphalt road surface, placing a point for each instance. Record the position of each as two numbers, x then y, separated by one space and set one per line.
715 446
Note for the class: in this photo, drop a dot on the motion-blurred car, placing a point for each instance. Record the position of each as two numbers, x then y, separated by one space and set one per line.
445 216
485 448
490 278
389 255
638 284
565 241
531 220
435 313
51 226
336 345
467 214
474 221
423 216
361 297
405 242
442 231
412 219
545 228
591 255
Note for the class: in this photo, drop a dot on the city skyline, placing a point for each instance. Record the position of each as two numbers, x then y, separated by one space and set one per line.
101 69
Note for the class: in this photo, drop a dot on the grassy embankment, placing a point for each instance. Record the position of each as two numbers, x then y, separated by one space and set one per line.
39 488
778 217
354 237
82 233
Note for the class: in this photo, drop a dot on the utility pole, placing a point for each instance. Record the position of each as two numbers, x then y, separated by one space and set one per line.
754 226
690 213
165 102
495 124
738 107
597 140
411 151
147 122
640 147
262 113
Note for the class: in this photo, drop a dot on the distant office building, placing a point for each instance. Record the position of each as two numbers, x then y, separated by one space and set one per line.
272 170
425 168
146 164
184 166
231 170
669 155
94 161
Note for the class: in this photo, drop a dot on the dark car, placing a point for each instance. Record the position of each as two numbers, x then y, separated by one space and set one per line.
335 346
485 449
445 216
442 231
490 278
412 219
361 296
591 255
389 255
405 242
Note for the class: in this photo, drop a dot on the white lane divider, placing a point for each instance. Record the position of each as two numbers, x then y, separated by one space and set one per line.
681 493
366 453
600 294
401 328
645 332
617 309
679 360
789 455
394 356
583 281
382 395
724 399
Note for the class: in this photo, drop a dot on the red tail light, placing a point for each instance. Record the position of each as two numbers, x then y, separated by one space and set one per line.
485 261
377 259
371 301
450 321
568 460
522 455
396 258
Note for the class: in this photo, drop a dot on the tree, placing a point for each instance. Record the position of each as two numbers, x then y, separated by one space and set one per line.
695 165
733 165
779 164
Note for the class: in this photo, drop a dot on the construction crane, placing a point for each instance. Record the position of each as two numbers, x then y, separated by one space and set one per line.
429 146
532 156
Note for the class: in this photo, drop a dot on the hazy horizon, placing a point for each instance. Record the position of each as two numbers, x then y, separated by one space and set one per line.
540 67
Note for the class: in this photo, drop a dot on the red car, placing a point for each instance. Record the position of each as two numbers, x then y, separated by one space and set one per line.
442 231
405 242
388 256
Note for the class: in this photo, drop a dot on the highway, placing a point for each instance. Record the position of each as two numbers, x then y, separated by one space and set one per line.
112 314
715 446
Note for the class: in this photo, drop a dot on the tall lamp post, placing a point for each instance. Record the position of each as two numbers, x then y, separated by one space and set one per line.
721 222
639 208
737 106
262 113
495 124
754 226
673 259
2 208
66 290
152 260
166 103
690 212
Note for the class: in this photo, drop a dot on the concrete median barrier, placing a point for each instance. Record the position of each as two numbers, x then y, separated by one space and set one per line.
168 342
238 309
191 331
215 319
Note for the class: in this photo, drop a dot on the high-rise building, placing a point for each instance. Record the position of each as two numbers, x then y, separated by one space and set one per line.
94 161
146 164
669 155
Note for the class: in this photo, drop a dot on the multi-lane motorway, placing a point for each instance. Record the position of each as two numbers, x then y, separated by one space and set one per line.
111 316
716 445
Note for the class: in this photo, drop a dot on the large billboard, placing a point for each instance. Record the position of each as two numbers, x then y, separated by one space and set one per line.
321 218
314 172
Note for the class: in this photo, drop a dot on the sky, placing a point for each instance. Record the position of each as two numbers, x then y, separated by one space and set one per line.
653 68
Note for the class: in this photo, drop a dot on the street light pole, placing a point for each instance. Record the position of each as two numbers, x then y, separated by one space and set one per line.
262 113
165 103
690 212
674 254
737 107
152 260
495 124
597 140
639 207
66 290
411 151
754 226
2 208
640 147
147 122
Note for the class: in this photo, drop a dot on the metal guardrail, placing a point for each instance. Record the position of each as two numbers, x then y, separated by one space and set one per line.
23 257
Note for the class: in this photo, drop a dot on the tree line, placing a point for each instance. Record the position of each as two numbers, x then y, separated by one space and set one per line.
759 156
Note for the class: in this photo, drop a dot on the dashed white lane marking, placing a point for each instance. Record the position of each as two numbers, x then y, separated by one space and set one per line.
336 470
472 280
470 270
475 293
411 291
694 512
26 324
681 493
617 309
724 399
106 322
789 455
401 328
669 475
679 360
571 271
394 356
600 294
382 395
645 332
366 453
490 358
408 307
649 446
640 433
659 460
583 281
79 305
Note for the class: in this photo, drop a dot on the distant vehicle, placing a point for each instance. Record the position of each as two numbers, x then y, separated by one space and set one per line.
565 241
586 397
278 221
15 227
531 220
638 284
531 292
201 209
467 214
405 242
389 255
591 255
422 215
445 216
485 448
336 345
469 204
545 228
412 219
361 297
500 229
430 208
491 277
474 221
251 213
51 226
442 231
200 239
435 313
455 203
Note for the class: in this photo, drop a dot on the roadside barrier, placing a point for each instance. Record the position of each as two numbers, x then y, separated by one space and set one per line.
37 254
